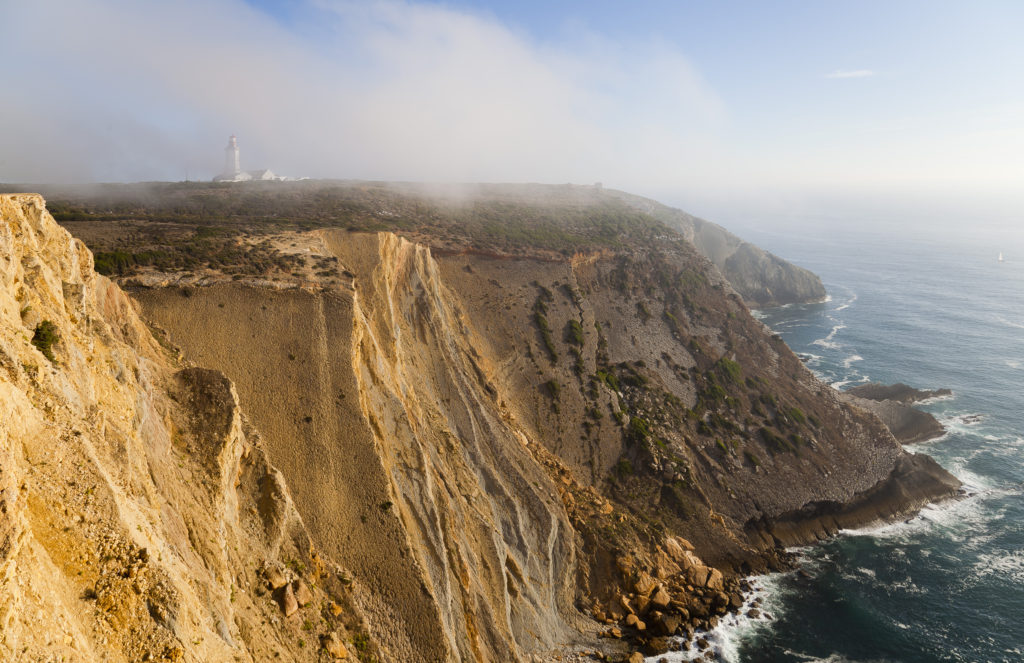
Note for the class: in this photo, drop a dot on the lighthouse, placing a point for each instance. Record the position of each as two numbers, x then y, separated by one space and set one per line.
233 168
231 164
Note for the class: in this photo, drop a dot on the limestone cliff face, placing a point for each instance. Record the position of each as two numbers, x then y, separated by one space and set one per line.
139 517
412 473
500 448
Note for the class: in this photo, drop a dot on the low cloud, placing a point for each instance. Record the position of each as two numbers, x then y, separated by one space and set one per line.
140 89
850 73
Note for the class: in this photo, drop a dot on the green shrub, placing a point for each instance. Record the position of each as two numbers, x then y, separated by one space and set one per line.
44 338
539 309
574 333
797 415
639 429
730 370
772 439
609 379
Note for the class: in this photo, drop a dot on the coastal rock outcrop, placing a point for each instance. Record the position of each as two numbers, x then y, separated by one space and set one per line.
893 404
899 392
761 278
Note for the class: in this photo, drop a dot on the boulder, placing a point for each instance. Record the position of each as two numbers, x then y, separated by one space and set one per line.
275 578
655 646
715 580
660 599
635 622
334 646
665 624
302 593
285 598
635 657
645 584
676 547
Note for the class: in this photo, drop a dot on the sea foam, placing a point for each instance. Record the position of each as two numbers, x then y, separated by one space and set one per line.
725 640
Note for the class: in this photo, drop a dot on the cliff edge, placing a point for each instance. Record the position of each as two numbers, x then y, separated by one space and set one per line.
139 517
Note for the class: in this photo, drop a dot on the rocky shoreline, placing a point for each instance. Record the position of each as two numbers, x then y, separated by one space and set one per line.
893 404
691 603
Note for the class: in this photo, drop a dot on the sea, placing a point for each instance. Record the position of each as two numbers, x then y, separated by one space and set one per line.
930 308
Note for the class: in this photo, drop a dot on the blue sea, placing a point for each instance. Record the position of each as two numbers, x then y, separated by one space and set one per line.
931 309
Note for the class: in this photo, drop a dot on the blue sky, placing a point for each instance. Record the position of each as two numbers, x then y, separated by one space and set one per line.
711 105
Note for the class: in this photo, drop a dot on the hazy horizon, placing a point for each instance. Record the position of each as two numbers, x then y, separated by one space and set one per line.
729 110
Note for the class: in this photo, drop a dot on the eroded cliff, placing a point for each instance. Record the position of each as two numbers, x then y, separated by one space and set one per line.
139 517
508 454
549 439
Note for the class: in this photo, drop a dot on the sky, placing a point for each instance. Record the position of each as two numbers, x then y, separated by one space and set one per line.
725 108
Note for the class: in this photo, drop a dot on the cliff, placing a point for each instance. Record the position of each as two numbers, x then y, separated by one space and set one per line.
508 454
761 278
656 409
139 517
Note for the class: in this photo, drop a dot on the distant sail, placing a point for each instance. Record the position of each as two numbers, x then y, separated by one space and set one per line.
1000 256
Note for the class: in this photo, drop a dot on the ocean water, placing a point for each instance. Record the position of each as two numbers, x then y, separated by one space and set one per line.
931 310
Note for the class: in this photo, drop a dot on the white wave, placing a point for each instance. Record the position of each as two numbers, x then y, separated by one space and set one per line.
1008 565
828 341
831 658
845 305
838 385
1009 323
1015 364
958 518
852 358
725 639
936 399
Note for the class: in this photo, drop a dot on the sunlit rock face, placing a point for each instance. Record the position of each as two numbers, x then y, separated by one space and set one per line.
480 457
139 517
519 439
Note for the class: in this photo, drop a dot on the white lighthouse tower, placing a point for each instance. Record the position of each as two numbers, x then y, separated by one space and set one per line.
232 167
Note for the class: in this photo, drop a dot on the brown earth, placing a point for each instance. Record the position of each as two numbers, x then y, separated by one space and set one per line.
139 516
653 403
511 455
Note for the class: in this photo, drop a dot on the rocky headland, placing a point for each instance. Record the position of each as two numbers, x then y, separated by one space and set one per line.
761 278
893 404
404 443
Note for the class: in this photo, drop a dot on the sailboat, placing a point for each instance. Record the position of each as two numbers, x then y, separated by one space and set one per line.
1000 256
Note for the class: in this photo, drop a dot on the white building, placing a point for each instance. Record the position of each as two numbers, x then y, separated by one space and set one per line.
233 171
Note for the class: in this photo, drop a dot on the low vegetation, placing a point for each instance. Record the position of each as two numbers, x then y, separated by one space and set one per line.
45 337
184 225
